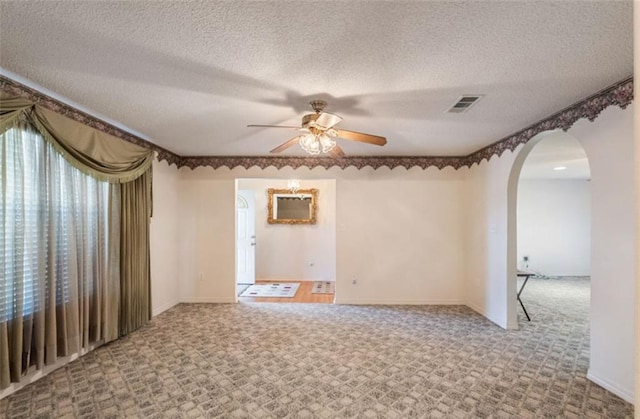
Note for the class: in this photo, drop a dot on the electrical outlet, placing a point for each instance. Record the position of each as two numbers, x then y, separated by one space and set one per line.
525 258
354 280
311 263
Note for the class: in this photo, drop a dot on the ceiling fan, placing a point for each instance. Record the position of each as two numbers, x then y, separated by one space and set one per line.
319 133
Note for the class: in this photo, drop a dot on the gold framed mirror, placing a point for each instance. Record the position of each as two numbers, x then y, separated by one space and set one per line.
285 207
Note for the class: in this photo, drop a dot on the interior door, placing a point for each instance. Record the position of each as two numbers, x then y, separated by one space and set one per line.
245 238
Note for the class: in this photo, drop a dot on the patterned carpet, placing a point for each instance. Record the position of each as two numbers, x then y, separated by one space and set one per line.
240 361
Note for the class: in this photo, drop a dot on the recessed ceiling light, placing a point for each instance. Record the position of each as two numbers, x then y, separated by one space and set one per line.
560 168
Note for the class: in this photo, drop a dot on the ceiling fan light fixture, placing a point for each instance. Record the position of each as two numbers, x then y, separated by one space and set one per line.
317 134
316 142
310 144
326 142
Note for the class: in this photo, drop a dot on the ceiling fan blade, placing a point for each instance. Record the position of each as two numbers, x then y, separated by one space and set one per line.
363 138
286 145
337 152
272 126
327 120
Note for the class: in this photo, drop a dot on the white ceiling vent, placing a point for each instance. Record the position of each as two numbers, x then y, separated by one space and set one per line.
464 103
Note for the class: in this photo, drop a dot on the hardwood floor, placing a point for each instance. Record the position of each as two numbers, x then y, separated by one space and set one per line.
303 295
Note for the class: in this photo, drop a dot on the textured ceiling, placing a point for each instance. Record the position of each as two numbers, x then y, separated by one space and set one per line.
190 76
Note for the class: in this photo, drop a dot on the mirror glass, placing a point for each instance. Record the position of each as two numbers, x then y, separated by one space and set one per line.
292 208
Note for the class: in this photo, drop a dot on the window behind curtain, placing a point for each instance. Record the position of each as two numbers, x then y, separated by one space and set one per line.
53 226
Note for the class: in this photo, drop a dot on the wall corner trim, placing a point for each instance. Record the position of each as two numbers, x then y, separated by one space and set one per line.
164 307
483 312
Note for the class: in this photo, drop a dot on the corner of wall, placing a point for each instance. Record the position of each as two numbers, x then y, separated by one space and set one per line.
164 307
612 387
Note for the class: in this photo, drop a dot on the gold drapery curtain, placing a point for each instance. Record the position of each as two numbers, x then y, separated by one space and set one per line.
93 152
120 297
135 293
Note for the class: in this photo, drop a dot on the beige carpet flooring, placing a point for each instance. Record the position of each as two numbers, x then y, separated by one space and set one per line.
266 360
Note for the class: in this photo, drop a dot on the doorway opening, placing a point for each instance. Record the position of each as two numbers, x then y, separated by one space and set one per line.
550 230
245 240
284 263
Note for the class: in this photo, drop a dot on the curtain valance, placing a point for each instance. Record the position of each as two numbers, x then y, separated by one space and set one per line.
93 152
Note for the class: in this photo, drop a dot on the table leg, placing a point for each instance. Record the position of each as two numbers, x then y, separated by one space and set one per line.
526 278
524 309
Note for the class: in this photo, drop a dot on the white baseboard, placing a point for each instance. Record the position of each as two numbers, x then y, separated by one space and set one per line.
608 385
220 300
164 307
366 301
477 309
481 311
293 280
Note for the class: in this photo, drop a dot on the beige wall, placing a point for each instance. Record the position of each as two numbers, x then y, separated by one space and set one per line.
400 235
398 232
487 270
207 237
608 142
164 235
554 226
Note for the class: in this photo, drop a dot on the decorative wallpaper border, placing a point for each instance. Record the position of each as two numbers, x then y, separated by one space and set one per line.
11 86
620 94
358 162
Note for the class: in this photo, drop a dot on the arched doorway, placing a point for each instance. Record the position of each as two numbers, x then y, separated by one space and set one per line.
548 181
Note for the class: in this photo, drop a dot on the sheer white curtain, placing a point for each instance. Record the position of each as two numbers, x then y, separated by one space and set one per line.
59 255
